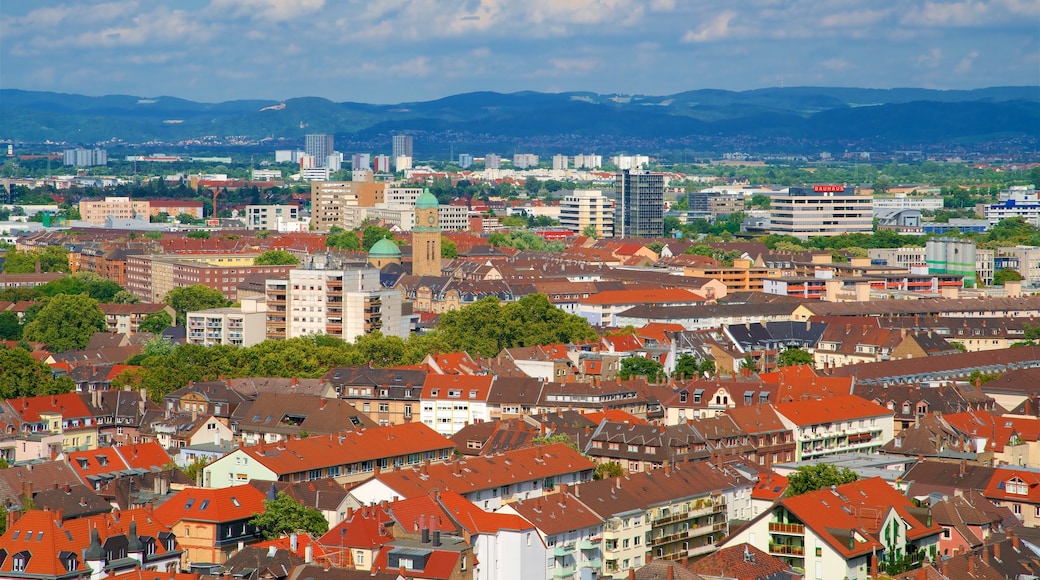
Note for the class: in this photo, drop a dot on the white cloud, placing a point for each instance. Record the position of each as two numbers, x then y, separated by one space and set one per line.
271 10
716 29
855 19
835 64
930 59
966 63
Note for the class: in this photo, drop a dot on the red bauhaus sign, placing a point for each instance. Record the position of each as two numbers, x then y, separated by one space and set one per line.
828 188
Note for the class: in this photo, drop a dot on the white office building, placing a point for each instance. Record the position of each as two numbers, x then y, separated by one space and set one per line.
821 210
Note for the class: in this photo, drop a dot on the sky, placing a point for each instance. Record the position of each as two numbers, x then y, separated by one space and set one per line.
392 51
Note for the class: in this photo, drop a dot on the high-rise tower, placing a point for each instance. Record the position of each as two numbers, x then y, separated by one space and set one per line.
639 204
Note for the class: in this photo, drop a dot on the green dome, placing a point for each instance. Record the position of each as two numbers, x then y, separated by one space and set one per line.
426 201
384 248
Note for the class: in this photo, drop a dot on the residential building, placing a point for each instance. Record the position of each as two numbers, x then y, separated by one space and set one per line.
560 162
233 326
582 209
151 276
852 531
319 146
210 523
837 424
65 420
126 318
465 160
638 204
81 157
1017 490
602 308
525 160
487 482
328 296
99 466
389 396
332 201
278 416
569 529
592 161
348 456
492 161
270 217
44 545
450 402
402 146
821 210
120 208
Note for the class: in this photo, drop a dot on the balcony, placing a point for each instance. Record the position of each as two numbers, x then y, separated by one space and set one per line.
789 529
561 551
596 563
563 571
589 543
701 550
786 550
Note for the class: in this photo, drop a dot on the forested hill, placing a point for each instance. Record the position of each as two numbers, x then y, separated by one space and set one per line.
843 117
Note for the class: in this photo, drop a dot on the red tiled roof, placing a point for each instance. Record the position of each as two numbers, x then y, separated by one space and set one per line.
296 455
68 405
995 430
615 416
644 296
471 387
411 514
861 506
837 408
302 541
215 505
1000 490
770 486
144 455
362 528
557 513
478 521
478 473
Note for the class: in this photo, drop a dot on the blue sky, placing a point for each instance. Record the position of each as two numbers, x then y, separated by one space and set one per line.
389 51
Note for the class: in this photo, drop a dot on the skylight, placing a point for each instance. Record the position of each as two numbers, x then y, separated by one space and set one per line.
204 505
234 500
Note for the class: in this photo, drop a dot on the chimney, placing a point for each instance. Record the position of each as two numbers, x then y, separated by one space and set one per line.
671 572
59 517
922 573
971 564
631 574
321 405
308 553
271 551
423 530
1014 543
996 551
436 538
293 542
985 554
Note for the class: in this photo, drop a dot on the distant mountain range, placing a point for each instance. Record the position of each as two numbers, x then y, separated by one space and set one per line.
792 119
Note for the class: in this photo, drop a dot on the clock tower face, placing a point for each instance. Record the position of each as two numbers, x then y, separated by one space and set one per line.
431 219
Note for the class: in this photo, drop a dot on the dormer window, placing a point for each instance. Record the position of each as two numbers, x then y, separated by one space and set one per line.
20 561
1016 486
683 396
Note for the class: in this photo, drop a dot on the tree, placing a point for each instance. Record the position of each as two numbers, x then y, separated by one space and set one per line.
449 249
50 259
687 367
10 326
284 515
198 235
794 356
192 298
608 470
1006 275
532 185
749 364
87 283
813 477
275 258
590 231
372 234
156 322
759 200
24 376
66 322
125 297
342 240
637 366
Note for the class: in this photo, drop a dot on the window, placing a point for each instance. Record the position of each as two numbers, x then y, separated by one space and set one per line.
1016 486
1017 508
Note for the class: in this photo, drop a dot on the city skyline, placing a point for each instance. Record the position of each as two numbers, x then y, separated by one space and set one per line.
394 52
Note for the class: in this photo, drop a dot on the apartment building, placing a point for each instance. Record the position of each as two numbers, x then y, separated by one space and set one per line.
450 402
120 208
331 201
269 217
850 531
1018 201
175 207
838 424
233 326
151 277
584 208
714 204
821 210
327 296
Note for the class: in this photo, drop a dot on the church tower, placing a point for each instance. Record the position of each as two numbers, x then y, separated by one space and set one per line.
426 237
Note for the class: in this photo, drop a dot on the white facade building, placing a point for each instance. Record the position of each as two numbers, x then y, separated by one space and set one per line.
821 210
268 217
584 208
243 326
